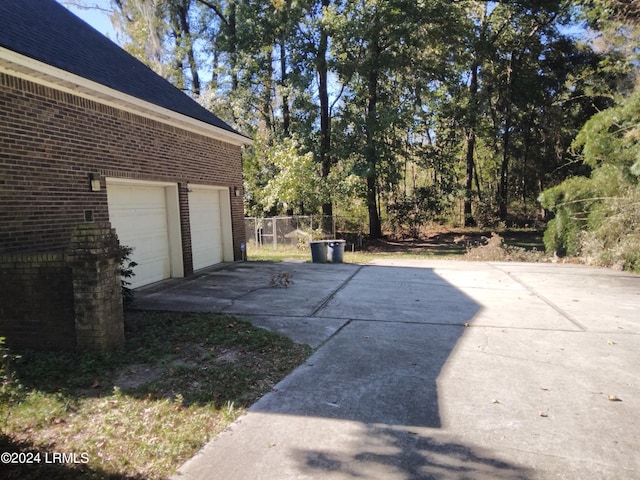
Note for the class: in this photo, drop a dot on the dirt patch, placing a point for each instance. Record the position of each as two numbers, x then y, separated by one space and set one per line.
495 249
192 356
135 376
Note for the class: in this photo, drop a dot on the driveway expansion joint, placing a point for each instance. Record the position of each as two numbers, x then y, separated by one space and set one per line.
333 294
536 294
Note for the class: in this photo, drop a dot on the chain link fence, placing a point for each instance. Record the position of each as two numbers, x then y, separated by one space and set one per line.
299 230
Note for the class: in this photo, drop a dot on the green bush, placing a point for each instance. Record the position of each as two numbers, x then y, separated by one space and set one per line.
597 217
126 271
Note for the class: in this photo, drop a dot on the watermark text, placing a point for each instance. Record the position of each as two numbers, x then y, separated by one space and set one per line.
25 458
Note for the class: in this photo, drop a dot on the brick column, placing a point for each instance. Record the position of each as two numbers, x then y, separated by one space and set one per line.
94 257
185 228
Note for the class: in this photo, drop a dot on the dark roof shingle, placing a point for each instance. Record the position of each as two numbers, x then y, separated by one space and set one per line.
46 31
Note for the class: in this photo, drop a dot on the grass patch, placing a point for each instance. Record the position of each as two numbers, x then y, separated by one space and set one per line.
381 250
144 410
516 244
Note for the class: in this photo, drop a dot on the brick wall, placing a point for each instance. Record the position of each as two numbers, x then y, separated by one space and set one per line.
50 295
94 257
64 301
36 307
185 228
51 140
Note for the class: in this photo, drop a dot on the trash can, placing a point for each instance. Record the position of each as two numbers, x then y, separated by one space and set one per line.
318 252
335 250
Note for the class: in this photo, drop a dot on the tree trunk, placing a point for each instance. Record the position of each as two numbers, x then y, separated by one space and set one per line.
503 188
325 119
286 113
233 47
469 221
182 12
375 228
266 95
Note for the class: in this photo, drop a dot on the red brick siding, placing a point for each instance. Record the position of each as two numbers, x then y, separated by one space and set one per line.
185 228
37 308
51 140
56 301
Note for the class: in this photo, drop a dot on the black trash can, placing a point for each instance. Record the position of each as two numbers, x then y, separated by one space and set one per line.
318 251
335 250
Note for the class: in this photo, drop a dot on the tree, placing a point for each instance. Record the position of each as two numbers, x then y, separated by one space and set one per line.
375 47
159 32
295 184
507 48
599 215
420 105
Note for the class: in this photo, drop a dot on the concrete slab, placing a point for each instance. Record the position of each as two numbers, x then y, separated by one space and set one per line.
542 400
313 331
434 370
598 299
287 289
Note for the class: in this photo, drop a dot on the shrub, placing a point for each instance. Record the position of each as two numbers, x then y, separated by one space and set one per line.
126 271
597 216
10 389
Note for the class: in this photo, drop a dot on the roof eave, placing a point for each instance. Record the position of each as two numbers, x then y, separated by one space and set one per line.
29 69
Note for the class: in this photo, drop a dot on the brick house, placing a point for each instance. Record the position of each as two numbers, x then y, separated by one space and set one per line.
92 141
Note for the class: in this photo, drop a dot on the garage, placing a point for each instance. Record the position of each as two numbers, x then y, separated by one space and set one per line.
145 218
210 225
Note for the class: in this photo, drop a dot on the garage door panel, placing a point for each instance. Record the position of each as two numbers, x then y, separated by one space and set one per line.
206 227
138 213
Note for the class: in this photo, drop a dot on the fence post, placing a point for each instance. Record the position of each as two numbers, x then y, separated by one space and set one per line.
275 233
255 230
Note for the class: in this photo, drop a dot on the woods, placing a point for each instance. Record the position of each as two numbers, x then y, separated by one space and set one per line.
406 112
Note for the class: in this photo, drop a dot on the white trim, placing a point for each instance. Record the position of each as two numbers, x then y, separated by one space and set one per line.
35 71
133 181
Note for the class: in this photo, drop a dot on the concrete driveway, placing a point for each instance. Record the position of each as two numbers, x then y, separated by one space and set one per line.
432 370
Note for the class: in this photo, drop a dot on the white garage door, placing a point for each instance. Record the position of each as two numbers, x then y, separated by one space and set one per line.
139 215
206 227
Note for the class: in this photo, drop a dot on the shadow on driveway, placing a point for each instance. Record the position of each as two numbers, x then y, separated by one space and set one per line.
439 370
366 403
387 452
400 326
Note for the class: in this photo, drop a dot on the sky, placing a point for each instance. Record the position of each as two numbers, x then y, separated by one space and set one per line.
97 17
